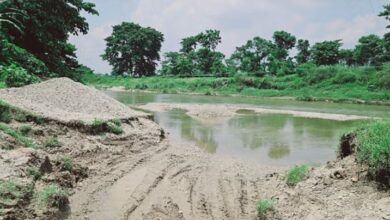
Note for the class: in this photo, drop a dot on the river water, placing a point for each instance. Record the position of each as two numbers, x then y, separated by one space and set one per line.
270 139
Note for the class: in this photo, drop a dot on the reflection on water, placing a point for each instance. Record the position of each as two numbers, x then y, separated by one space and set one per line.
272 139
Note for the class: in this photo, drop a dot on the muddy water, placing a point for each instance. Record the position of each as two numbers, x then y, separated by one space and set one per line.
271 139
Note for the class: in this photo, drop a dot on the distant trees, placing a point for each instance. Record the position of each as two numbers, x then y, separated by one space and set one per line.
197 56
133 50
370 50
326 52
303 48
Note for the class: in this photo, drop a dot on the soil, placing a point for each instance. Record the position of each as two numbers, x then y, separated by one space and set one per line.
139 174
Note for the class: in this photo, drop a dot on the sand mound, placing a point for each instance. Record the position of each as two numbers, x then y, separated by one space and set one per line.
65 100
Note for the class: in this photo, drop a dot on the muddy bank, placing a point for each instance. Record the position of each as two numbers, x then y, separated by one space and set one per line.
139 174
216 112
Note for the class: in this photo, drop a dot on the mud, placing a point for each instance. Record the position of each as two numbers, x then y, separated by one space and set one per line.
139 174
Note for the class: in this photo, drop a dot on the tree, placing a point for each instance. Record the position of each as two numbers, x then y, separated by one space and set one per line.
47 28
303 55
347 57
133 50
252 57
283 43
370 50
386 13
10 16
326 52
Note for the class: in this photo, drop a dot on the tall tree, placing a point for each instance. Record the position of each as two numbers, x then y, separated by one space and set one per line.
369 50
386 13
326 52
47 28
283 41
303 55
133 50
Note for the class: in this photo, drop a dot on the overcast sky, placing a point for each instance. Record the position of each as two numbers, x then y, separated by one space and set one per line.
238 20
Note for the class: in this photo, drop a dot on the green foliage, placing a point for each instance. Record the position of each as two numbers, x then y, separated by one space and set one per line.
11 192
16 76
133 50
115 129
296 174
283 43
326 52
25 129
303 55
52 142
373 143
98 126
47 29
18 136
264 205
369 51
34 172
5 113
67 164
20 116
116 122
386 13
49 193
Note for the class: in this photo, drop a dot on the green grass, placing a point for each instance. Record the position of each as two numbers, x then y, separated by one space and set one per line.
19 137
115 129
25 129
50 192
264 205
373 143
297 174
11 192
335 83
67 164
52 142
34 172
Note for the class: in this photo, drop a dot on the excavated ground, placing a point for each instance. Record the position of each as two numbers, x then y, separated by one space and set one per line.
139 174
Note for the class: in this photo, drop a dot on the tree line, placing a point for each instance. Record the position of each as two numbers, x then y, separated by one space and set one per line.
34 44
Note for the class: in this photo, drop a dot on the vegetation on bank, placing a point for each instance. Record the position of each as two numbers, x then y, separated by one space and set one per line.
310 83
297 174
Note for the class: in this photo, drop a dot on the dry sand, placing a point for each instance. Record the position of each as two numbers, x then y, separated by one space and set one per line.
141 175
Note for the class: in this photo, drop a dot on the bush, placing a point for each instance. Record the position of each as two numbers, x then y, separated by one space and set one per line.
344 77
296 174
16 76
5 113
115 129
321 73
373 150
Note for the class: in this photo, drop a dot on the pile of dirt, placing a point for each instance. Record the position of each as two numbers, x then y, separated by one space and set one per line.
64 100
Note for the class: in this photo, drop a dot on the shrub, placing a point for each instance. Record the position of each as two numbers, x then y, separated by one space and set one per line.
344 77
373 150
67 164
321 73
25 129
115 129
296 174
17 76
34 172
52 195
52 142
263 206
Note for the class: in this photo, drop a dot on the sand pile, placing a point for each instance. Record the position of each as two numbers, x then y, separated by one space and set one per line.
65 100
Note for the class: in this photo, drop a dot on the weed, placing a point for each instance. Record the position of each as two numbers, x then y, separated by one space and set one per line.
296 174
34 172
115 129
25 129
67 164
263 206
52 142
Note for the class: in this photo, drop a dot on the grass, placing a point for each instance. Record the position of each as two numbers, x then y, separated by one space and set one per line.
48 193
34 172
115 129
373 143
297 174
52 142
11 192
67 164
336 83
25 129
19 137
263 206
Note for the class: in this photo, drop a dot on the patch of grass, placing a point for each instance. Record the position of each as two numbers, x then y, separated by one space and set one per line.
25 129
5 113
117 122
52 142
264 205
373 141
11 192
115 129
20 116
34 172
49 193
67 164
297 174
98 126
18 136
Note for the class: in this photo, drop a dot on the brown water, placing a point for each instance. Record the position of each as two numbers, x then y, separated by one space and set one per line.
272 139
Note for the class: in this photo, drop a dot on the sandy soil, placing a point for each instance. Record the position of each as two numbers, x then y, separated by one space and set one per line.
141 175
216 112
